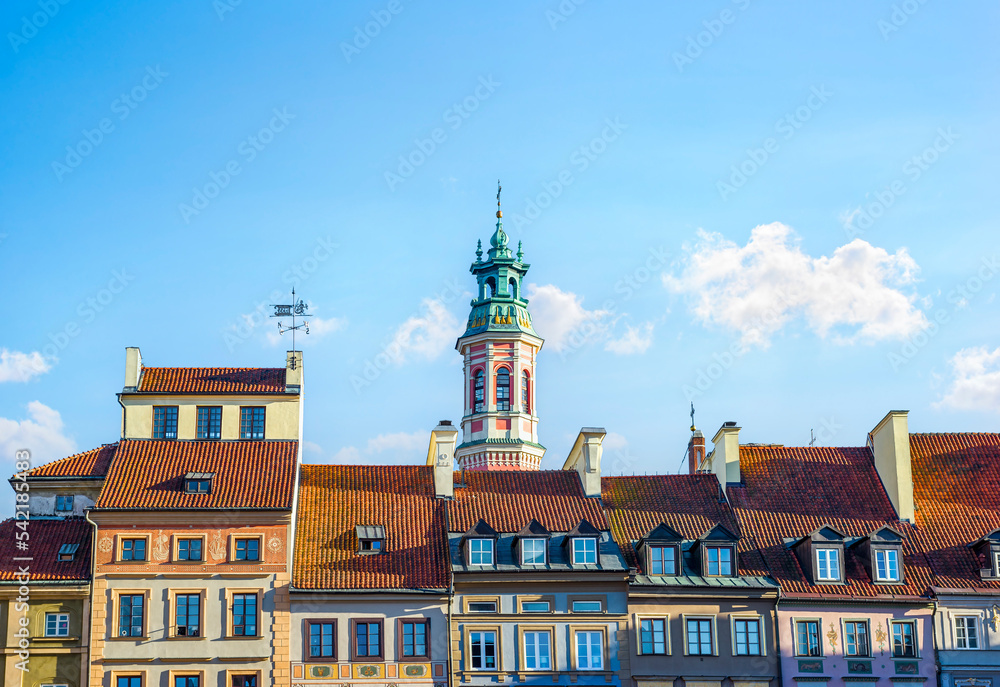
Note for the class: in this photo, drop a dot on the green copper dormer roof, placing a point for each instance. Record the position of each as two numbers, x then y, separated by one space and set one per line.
500 305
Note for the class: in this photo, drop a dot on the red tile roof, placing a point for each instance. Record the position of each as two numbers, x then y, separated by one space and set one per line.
334 499
45 537
509 500
789 492
956 489
688 503
212 380
93 463
248 474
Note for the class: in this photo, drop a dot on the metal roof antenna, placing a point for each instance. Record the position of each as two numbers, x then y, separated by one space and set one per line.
812 437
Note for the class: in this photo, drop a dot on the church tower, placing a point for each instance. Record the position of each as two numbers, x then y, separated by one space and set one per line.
499 348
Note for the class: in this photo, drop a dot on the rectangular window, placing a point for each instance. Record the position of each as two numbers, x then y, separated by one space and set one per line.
535 607
130 609
807 638
537 651
252 422
245 615
244 681
367 639
996 563
248 549
483 650
64 503
187 681
189 550
966 632
57 624
481 552
209 422
828 565
584 550
532 552
587 607
482 607
856 639
133 549
902 640
662 560
128 681
322 639
887 565
414 638
720 561
699 636
653 635
164 422
187 615
589 651
747 636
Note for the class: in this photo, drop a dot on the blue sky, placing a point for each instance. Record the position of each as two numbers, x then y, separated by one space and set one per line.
782 211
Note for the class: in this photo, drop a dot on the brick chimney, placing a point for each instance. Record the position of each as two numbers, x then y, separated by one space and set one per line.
696 451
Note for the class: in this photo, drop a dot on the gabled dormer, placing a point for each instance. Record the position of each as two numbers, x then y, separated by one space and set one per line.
531 544
479 545
583 544
881 554
987 550
716 552
821 554
660 551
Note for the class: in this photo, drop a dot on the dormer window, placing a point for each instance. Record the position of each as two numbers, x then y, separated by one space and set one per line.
996 564
988 551
881 553
821 553
198 482
719 561
67 552
887 565
532 541
480 552
660 550
584 551
371 539
662 560
828 565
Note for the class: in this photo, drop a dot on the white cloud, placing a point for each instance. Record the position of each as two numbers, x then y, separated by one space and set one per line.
41 433
635 340
394 448
857 293
560 318
975 383
318 328
427 335
21 367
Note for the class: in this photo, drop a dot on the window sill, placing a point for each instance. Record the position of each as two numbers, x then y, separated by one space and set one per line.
65 638
185 638
144 638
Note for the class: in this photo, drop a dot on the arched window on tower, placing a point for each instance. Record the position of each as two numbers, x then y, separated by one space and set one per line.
512 287
478 395
525 393
503 389
491 287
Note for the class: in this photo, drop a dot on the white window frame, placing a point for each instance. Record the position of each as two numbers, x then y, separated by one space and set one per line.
589 635
996 563
966 623
483 552
533 541
580 547
882 557
57 616
482 649
832 555
535 634
761 646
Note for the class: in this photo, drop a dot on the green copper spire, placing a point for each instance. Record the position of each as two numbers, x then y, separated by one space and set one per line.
499 239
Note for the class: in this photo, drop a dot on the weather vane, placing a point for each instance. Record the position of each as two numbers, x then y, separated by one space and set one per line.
692 416
296 309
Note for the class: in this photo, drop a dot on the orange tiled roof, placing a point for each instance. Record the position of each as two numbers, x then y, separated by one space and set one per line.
509 500
334 499
956 489
789 492
212 380
688 503
45 537
93 463
248 474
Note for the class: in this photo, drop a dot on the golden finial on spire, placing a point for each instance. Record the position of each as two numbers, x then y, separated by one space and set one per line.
499 187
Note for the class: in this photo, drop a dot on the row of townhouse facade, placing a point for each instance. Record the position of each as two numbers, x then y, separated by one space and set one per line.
197 550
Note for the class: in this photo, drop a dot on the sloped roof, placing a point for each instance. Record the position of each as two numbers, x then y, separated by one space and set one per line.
507 500
789 492
248 474
212 380
956 490
93 464
334 499
45 539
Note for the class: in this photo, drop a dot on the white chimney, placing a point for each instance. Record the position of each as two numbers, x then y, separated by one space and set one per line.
293 372
585 458
725 458
890 444
441 456
133 368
